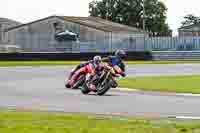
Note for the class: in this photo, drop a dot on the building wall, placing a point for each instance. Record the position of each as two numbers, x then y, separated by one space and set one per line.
190 31
129 41
93 39
4 24
39 37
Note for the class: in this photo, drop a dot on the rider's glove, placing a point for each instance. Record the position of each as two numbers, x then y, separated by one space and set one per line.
117 75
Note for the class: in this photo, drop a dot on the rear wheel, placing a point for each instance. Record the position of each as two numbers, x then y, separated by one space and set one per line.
84 89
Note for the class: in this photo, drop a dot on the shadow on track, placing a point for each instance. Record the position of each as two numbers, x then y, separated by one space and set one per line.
106 95
93 94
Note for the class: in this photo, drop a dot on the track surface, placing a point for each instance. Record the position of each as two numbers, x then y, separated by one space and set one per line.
43 88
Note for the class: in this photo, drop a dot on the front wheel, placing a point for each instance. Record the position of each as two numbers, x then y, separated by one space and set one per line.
103 89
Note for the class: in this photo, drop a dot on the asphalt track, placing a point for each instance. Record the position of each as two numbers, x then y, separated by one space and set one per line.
42 88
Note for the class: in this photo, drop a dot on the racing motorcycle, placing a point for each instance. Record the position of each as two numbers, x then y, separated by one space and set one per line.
104 82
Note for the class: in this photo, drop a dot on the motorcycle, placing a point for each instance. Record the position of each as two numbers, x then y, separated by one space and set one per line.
103 83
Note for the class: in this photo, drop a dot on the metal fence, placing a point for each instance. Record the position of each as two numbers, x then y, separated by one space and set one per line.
127 42
172 44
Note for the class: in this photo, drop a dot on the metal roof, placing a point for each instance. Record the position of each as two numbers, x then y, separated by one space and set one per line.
92 22
102 24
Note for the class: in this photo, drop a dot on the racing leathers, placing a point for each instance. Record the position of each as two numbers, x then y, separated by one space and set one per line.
116 63
117 68
79 67
89 68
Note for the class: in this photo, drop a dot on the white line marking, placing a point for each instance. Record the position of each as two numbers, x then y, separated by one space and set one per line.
188 117
127 89
175 94
188 94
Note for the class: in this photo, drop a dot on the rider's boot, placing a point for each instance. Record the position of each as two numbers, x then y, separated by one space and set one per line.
67 85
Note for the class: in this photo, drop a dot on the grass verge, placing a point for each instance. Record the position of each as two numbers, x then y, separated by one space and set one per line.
51 63
178 84
20 122
36 63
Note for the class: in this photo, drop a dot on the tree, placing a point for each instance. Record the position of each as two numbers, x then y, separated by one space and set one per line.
130 12
190 19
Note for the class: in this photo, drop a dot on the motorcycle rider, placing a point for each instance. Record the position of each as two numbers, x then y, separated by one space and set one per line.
91 67
115 64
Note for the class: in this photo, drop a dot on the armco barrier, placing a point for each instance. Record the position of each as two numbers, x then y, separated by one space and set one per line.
162 55
67 56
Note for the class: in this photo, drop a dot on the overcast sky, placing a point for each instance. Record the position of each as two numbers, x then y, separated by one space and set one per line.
30 10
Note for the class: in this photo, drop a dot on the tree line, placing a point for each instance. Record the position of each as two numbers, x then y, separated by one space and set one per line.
131 12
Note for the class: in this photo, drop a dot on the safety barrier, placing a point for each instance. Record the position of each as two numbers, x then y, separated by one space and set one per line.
67 56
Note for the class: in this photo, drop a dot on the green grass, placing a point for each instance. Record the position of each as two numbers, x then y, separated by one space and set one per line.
36 63
52 63
179 84
21 122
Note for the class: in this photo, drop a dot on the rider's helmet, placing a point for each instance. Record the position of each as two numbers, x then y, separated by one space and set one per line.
96 60
121 54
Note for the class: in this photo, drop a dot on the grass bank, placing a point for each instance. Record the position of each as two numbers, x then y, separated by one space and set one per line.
179 84
20 122
52 63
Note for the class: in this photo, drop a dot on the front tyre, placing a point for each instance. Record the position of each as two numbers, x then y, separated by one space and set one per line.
102 90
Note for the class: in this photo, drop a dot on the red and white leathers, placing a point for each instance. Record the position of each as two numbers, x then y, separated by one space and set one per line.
90 68
116 71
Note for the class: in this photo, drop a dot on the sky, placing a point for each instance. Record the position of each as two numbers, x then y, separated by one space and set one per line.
177 9
29 10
